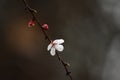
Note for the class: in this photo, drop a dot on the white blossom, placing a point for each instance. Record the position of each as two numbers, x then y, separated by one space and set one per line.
55 45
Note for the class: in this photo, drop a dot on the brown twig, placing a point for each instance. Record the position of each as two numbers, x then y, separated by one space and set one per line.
33 12
66 65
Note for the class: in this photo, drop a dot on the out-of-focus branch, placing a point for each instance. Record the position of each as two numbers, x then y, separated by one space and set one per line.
33 13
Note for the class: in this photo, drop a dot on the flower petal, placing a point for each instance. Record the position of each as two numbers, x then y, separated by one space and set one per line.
49 47
59 47
52 52
58 41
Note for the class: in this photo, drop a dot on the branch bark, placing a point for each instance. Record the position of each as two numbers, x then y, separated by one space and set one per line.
33 13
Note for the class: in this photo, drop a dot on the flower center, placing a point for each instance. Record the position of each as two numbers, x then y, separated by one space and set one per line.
53 44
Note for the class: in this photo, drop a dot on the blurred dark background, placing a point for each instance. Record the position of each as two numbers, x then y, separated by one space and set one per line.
90 29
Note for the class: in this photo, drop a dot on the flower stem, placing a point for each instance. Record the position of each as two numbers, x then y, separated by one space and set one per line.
33 12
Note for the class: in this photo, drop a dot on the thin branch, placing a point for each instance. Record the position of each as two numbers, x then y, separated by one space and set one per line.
66 65
33 12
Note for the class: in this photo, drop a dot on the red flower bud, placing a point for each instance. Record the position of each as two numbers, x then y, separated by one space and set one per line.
31 23
45 26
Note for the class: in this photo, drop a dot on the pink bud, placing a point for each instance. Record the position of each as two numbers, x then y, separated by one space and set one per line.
45 26
31 23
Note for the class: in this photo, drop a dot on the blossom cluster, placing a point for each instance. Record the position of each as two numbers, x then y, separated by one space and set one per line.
54 45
